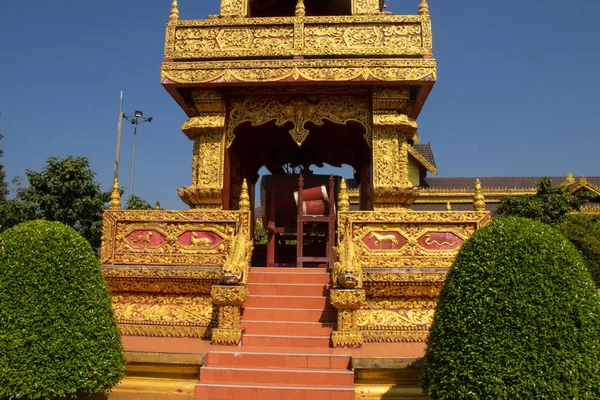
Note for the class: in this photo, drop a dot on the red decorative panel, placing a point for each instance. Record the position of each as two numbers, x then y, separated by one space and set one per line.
199 239
383 240
145 238
440 241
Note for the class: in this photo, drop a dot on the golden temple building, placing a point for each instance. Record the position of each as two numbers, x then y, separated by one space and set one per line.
338 303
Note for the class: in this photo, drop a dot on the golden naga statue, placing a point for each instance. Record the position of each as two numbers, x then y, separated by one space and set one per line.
235 269
347 271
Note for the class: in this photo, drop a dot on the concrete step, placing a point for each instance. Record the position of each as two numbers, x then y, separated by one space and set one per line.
236 375
268 301
287 289
283 357
286 340
289 314
269 392
290 276
288 328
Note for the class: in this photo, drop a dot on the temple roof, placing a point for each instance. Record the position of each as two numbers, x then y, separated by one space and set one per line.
500 182
425 151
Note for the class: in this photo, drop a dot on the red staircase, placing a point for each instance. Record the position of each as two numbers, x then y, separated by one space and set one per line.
285 351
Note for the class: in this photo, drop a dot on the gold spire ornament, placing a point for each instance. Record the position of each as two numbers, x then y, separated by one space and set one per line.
174 15
157 206
423 8
300 9
478 200
244 198
344 201
115 196
448 206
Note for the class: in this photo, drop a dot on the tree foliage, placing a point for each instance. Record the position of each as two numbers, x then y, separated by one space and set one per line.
58 337
137 203
548 205
3 184
66 191
518 318
584 232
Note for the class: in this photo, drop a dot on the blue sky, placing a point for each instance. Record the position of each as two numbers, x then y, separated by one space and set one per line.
517 91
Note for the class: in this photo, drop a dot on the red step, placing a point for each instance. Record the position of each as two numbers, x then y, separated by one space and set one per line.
289 275
269 392
287 289
288 328
266 301
286 340
283 358
289 314
317 377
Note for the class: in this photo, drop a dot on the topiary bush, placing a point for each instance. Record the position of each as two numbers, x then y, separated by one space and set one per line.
518 318
58 337
584 232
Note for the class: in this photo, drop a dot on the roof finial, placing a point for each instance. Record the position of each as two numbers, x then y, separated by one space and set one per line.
174 16
423 8
300 9
244 198
115 196
478 200
344 201
582 181
448 206
570 180
157 206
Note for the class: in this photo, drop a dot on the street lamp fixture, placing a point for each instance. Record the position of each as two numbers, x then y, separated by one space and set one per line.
136 119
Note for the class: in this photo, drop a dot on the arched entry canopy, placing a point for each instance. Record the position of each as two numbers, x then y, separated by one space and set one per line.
271 145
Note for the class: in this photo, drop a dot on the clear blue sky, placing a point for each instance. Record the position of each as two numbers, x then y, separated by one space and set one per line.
517 93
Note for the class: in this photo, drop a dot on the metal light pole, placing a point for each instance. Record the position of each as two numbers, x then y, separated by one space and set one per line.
136 119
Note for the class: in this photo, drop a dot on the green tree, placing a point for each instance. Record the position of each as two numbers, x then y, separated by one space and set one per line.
58 336
3 184
584 232
518 318
137 203
66 191
548 205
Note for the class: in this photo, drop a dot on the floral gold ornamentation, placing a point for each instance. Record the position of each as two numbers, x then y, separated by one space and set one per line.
229 337
229 295
384 336
234 8
299 111
347 339
344 299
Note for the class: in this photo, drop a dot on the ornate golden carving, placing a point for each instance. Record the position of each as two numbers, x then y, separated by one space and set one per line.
365 7
394 336
392 100
234 8
162 272
244 198
347 270
347 339
237 264
159 286
218 72
375 35
299 111
345 299
164 331
170 225
300 9
382 275
229 295
423 8
133 311
478 200
207 131
115 196
226 336
394 290
174 15
376 319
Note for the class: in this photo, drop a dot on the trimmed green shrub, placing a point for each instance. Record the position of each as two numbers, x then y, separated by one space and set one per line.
584 232
518 318
58 337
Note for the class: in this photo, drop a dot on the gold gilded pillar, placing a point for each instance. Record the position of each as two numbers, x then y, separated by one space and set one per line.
234 8
392 130
347 302
207 130
229 299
